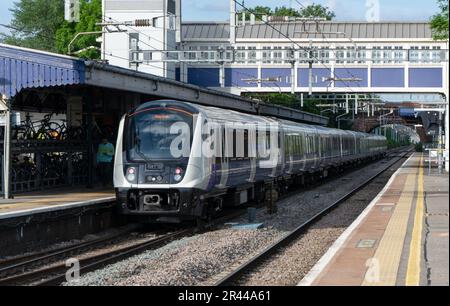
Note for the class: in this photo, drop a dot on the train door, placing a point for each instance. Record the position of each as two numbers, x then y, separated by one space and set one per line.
282 148
302 153
222 160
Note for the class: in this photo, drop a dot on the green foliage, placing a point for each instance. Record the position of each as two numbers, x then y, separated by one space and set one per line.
313 10
34 24
284 11
284 99
439 22
40 24
317 10
90 14
261 10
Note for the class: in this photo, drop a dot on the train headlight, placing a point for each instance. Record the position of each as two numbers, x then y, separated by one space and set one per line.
178 174
131 174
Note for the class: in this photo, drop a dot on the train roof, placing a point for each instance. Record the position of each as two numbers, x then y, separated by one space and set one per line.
226 115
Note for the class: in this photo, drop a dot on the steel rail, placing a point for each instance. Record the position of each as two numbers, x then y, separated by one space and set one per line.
56 274
22 262
274 247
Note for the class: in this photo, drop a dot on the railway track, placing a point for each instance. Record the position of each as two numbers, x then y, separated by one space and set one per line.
55 274
243 269
35 269
8 266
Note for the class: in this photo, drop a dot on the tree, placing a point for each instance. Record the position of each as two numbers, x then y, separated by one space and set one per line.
317 10
40 24
34 24
286 99
90 14
313 10
259 11
284 11
439 22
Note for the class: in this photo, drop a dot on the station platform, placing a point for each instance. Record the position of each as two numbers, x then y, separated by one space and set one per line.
53 200
401 238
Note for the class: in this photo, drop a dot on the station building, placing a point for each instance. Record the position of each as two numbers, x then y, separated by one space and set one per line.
274 54
268 54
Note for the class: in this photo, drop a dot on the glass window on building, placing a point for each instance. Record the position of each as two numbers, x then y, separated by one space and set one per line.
251 55
436 54
414 54
324 55
190 53
240 55
277 55
340 55
287 55
387 54
361 55
204 54
315 55
267 55
398 54
303 56
148 56
229 53
376 55
426 54
134 41
351 55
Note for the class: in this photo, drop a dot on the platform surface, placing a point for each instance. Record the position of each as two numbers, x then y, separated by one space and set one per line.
402 238
49 200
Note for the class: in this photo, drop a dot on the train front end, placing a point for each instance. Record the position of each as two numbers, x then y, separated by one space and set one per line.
154 178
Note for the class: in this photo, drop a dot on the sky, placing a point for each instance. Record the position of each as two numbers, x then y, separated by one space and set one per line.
346 10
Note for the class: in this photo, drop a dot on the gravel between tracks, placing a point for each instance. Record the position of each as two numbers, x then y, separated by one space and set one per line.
199 259
293 262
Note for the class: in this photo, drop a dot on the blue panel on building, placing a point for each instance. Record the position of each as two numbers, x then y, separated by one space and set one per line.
24 68
282 76
425 77
241 77
177 74
355 73
318 75
388 77
206 77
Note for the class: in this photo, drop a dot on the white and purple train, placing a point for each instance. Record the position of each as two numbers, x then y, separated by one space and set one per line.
178 161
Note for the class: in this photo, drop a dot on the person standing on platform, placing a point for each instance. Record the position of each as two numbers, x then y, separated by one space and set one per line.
105 155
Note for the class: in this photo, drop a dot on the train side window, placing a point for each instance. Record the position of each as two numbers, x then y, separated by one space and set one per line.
300 144
246 144
287 148
234 144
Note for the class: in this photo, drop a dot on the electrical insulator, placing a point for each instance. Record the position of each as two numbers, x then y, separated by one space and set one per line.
142 23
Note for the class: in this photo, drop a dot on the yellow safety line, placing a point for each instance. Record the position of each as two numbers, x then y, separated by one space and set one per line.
415 250
387 257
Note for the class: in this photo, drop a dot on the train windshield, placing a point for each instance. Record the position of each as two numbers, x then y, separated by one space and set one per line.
158 133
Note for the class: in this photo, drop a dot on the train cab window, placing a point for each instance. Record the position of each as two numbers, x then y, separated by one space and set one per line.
150 133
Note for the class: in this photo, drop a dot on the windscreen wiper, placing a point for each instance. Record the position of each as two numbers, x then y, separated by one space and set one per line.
137 142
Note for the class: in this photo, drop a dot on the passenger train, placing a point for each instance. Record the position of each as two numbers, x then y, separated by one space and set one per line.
177 161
